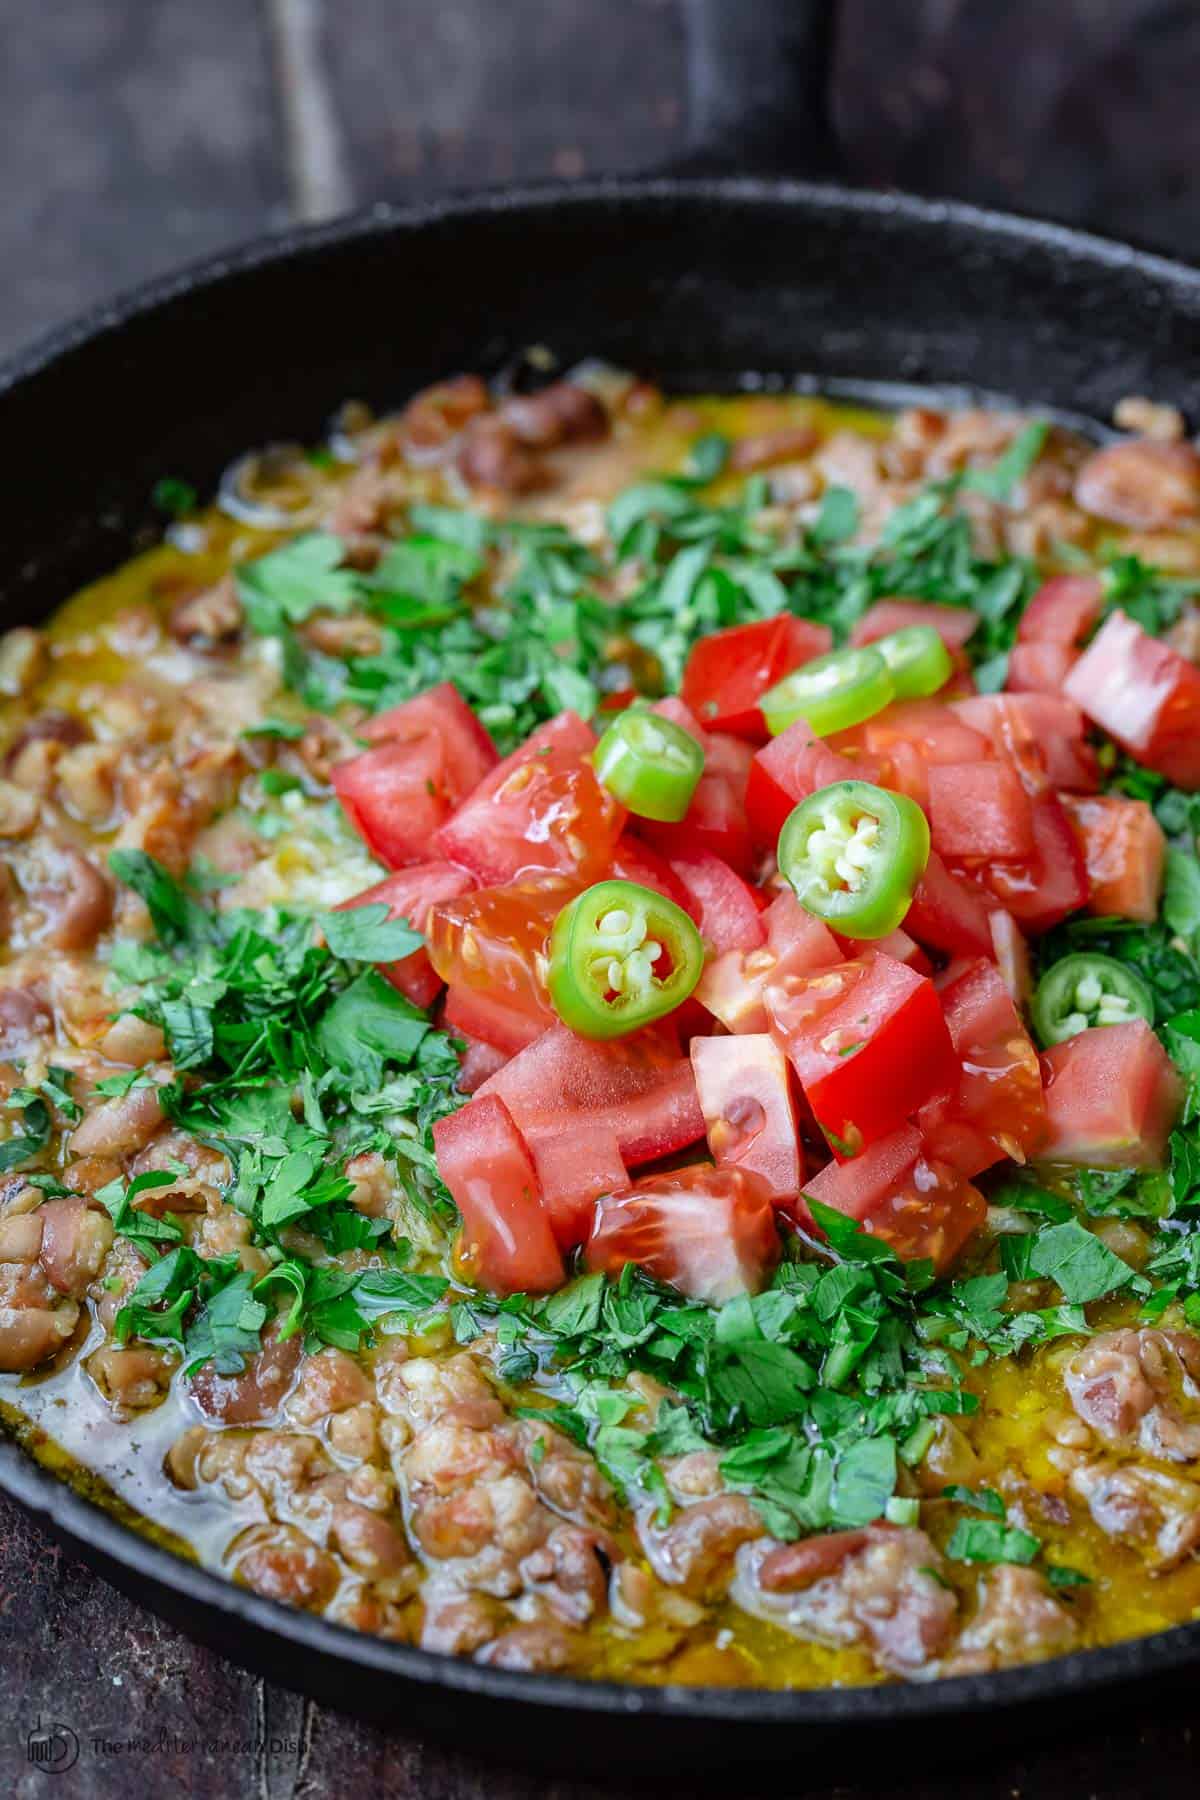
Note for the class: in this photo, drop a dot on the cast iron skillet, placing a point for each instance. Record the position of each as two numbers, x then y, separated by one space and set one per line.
703 282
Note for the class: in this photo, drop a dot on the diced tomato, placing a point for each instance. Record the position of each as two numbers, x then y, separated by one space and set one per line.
409 895
1125 851
475 1014
470 752
789 769
541 808
478 1062
1113 1097
857 1187
936 730
730 757
709 1232
953 624
1038 668
1011 949
962 682
1053 882
916 1204
949 913
715 822
995 1108
933 1214
639 1085
396 797
617 701
746 1097
728 672
979 811
673 708
727 911
575 1169
1062 612
493 941
731 987
868 1042
1041 734
507 1244
1145 695
897 944
905 770
635 861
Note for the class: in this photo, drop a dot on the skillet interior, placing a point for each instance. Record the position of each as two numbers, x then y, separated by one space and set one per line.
704 284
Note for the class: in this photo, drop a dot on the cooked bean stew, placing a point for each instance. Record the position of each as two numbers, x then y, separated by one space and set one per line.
600 1032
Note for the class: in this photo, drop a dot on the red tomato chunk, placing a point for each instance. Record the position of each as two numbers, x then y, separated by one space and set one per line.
541 808
640 1086
575 1168
979 811
709 1232
507 1244
1145 695
410 895
1125 851
995 1108
396 797
790 768
470 1013
949 913
1042 890
493 942
715 823
470 752
953 624
727 911
478 1062
1041 734
728 673
868 1042
1113 1096
732 985
1063 611
1038 668
745 1094
898 1193
431 752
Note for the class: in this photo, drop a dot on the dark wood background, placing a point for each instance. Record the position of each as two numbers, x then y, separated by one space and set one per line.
137 134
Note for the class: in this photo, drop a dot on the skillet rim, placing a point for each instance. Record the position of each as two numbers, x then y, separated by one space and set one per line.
270 248
96 1533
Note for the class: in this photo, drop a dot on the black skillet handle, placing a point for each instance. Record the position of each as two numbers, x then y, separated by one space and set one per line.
759 78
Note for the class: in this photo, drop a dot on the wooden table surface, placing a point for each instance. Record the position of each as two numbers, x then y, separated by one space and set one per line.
138 134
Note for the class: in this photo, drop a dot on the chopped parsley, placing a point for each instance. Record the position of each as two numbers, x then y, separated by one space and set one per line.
298 1057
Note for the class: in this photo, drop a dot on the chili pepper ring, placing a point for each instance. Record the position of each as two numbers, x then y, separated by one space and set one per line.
621 956
854 854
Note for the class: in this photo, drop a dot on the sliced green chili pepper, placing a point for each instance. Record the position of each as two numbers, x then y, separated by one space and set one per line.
620 956
831 693
854 853
917 659
652 765
1088 989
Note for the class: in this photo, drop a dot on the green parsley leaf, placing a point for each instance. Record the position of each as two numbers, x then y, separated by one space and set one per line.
300 578
989 1541
837 517
998 482
1076 1259
367 934
985 1500
175 915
